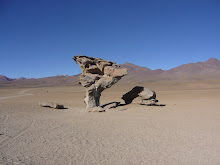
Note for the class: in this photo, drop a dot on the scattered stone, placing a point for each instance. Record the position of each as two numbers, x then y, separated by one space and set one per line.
99 73
51 105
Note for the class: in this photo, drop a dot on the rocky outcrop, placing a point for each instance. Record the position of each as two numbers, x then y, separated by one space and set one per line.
99 73
142 92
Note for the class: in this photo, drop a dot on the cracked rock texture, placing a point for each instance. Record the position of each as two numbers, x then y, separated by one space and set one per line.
99 73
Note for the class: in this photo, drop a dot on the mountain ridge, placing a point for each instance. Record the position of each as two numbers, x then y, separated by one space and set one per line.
209 69
199 71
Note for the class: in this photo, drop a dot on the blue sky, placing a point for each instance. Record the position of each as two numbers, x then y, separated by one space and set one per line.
38 38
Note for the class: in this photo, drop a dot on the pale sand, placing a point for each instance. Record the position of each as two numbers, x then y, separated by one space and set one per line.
185 131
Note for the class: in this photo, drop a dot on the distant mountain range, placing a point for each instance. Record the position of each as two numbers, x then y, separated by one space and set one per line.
209 69
4 78
59 80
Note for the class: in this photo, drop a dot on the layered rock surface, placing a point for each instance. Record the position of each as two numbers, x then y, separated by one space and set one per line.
99 73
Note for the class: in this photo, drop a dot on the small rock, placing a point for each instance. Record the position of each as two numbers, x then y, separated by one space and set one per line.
51 105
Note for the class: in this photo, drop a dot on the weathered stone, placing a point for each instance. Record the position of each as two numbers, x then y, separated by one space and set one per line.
99 73
147 94
143 93
51 105
87 80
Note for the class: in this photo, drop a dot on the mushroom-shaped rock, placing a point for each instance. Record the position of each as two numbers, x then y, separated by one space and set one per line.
97 72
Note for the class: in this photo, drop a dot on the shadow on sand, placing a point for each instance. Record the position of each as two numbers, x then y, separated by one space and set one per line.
116 104
130 96
113 104
54 108
161 105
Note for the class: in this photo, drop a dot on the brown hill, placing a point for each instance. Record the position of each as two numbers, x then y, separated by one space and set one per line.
138 74
207 70
21 78
138 70
59 80
5 79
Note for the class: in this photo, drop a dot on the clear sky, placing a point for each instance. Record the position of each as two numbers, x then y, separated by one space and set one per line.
38 38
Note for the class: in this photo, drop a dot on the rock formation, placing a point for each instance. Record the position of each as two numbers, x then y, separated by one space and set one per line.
99 73
143 93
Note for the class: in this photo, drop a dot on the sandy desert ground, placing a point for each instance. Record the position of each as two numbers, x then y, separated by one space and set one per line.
186 131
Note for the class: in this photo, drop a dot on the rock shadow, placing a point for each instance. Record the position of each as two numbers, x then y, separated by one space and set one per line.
132 94
144 93
137 91
161 105
46 106
113 104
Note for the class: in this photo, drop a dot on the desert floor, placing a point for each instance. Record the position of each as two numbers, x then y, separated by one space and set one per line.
185 131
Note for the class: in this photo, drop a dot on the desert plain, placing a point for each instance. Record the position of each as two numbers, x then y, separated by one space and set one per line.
185 131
